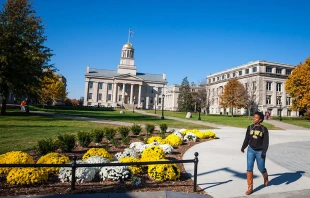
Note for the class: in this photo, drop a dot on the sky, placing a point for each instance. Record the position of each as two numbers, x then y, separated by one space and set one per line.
182 38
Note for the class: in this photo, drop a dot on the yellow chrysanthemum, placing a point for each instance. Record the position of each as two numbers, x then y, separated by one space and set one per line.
27 176
97 152
173 140
164 172
53 158
14 157
156 139
200 134
135 169
152 153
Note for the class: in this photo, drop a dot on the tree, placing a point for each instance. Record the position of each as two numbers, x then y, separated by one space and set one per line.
253 87
234 95
185 96
52 89
75 102
23 55
81 101
203 95
298 85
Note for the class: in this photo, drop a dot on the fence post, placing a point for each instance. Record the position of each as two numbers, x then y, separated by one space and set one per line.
195 171
73 165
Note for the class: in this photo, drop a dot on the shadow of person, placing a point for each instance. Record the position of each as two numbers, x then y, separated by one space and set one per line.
282 178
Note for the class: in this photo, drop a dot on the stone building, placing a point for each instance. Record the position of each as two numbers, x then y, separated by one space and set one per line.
265 82
124 86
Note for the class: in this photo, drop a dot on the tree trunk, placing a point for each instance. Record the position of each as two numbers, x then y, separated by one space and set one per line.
232 111
3 108
249 113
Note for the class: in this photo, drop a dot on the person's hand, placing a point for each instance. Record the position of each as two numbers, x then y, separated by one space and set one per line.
242 150
263 156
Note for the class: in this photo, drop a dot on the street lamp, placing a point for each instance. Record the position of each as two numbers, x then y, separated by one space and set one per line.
133 105
199 108
162 107
155 102
280 111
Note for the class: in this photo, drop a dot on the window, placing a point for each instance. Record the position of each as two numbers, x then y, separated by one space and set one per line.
90 96
218 78
288 72
142 88
279 85
100 85
121 87
289 112
268 86
91 84
126 88
160 90
246 71
254 69
223 77
100 97
159 100
209 80
152 89
279 100
254 86
279 112
234 74
151 100
240 73
110 86
279 71
228 75
109 97
246 86
120 98
213 79
288 101
268 69
268 99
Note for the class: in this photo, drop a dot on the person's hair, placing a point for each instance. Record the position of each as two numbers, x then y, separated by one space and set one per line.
260 114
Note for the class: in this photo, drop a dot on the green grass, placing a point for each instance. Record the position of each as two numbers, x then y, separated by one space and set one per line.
298 121
236 121
19 131
128 116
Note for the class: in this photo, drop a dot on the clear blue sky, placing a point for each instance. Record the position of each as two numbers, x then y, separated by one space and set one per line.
190 38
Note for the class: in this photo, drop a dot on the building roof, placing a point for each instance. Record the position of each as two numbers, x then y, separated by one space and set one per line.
113 73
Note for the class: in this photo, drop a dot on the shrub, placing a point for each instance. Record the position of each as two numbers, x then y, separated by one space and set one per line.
173 140
164 172
156 139
26 176
66 142
115 142
53 158
14 157
123 131
134 169
149 128
97 152
84 138
126 140
47 145
136 129
163 128
98 134
152 153
140 138
109 133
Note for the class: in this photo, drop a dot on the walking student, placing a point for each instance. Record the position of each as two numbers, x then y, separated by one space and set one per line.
22 105
257 141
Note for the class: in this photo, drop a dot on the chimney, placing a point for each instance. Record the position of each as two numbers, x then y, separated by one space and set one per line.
164 76
87 69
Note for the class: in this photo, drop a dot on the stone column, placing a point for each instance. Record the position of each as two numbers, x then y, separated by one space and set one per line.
139 96
123 94
105 91
95 88
131 94
86 90
114 93
283 99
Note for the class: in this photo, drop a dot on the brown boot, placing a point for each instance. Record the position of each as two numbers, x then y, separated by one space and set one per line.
266 181
249 176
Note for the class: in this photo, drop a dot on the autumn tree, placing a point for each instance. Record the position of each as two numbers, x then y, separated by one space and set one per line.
52 89
23 55
253 86
234 95
298 85
185 97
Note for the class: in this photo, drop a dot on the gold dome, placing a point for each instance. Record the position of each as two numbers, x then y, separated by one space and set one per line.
128 46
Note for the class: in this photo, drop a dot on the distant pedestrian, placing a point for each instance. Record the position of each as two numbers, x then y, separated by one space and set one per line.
22 105
257 141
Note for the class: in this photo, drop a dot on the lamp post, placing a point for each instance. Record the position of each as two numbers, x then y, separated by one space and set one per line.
199 108
133 105
280 111
155 104
162 107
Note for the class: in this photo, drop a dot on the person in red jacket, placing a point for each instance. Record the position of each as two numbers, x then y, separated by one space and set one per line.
257 141
22 106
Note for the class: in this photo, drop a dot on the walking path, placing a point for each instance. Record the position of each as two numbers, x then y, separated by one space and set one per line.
284 125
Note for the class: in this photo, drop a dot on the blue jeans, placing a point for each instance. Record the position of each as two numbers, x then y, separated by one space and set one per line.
251 156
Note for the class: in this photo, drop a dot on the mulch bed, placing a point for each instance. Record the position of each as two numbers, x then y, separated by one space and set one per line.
54 186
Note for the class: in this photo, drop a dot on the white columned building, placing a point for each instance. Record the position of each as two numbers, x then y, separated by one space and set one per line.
124 86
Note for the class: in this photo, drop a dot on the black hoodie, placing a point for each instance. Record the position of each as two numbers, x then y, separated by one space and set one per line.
257 137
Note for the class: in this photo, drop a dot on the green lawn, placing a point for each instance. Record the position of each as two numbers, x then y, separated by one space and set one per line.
128 116
236 121
19 131
299 121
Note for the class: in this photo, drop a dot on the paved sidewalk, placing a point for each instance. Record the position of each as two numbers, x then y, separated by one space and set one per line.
284 125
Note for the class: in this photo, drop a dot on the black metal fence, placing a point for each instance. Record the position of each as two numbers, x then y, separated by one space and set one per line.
74 165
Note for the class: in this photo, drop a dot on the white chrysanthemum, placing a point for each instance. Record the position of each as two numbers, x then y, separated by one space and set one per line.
115 173
97 160
190 137
181 130
82 174
167 148
179 134
137 146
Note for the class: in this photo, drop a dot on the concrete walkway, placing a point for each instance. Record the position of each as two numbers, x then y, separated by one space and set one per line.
222 166
284 125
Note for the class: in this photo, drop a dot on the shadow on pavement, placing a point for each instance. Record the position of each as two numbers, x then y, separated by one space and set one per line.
237 174
214 184
282 178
